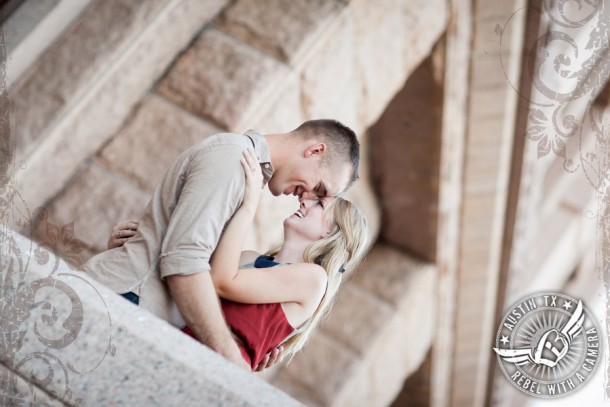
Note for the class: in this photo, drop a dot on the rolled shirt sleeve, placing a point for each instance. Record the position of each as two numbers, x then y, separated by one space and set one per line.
213 189
183 221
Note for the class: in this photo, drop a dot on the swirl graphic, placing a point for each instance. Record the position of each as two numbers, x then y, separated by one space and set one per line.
48 310
568 68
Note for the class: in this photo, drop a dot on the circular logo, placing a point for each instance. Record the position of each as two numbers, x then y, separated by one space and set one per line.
548 345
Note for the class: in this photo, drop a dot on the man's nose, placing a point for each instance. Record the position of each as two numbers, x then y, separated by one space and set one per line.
306 195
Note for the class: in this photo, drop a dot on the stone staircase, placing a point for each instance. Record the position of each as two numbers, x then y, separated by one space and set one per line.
129 85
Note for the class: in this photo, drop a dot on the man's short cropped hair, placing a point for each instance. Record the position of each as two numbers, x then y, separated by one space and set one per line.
341 140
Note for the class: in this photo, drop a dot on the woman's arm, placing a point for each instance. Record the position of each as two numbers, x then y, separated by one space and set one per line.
303 283
225 260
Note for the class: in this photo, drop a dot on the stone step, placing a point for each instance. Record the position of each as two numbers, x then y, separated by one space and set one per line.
377 334
79 93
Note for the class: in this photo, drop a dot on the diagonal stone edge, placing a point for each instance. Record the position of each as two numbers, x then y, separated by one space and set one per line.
10 383
150 354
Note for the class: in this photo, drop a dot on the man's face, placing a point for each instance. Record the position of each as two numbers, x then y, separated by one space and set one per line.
309 178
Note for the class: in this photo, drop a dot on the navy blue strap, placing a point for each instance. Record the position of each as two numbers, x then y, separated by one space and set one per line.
133 297
264 262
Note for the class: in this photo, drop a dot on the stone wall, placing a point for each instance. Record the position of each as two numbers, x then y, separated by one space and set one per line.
487 162
461 204
129 85
327 67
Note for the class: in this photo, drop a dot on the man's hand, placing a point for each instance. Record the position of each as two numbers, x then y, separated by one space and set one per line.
233 354
198 304
122 232
270 359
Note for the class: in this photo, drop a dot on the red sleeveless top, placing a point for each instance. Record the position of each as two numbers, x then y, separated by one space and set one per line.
260 327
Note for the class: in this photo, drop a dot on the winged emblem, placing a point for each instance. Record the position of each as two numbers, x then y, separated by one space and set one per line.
552 346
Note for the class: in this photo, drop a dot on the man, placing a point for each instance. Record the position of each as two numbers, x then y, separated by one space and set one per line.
165 267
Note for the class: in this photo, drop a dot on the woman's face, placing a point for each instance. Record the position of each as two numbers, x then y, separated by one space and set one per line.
308 221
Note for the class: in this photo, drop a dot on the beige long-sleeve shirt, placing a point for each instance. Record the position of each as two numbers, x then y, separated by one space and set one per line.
183 221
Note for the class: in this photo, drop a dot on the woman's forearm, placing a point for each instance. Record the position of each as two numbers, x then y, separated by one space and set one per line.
225 260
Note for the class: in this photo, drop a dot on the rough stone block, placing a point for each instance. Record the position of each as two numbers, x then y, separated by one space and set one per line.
152 139
299 392
405 159
285 29
485 38
378 333
487 71
486 131
407 30
75 60
357 318
312 369
400 350
286 113
105 101
329 79
390 274
486 9
222 79
84 345
489 102
96 200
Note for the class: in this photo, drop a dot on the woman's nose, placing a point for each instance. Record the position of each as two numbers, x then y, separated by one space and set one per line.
306 204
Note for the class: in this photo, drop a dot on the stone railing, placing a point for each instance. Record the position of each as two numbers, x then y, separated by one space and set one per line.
69 341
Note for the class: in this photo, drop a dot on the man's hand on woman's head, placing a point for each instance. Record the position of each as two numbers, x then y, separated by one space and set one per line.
122 232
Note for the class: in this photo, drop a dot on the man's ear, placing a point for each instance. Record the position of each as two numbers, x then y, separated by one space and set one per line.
315 149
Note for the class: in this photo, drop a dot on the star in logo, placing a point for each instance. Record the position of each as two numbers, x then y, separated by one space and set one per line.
504 339
567 305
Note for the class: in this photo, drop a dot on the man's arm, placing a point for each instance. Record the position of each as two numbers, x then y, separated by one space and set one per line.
212 191
197 301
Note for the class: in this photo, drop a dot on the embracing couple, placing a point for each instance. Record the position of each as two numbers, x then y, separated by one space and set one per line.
185 253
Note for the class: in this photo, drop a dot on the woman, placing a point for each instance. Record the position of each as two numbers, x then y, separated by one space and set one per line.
280 298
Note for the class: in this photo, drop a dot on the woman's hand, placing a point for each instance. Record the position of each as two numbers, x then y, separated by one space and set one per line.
270 359
254 179
122 232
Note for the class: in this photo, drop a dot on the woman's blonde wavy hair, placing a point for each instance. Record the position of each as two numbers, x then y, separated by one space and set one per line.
344 248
